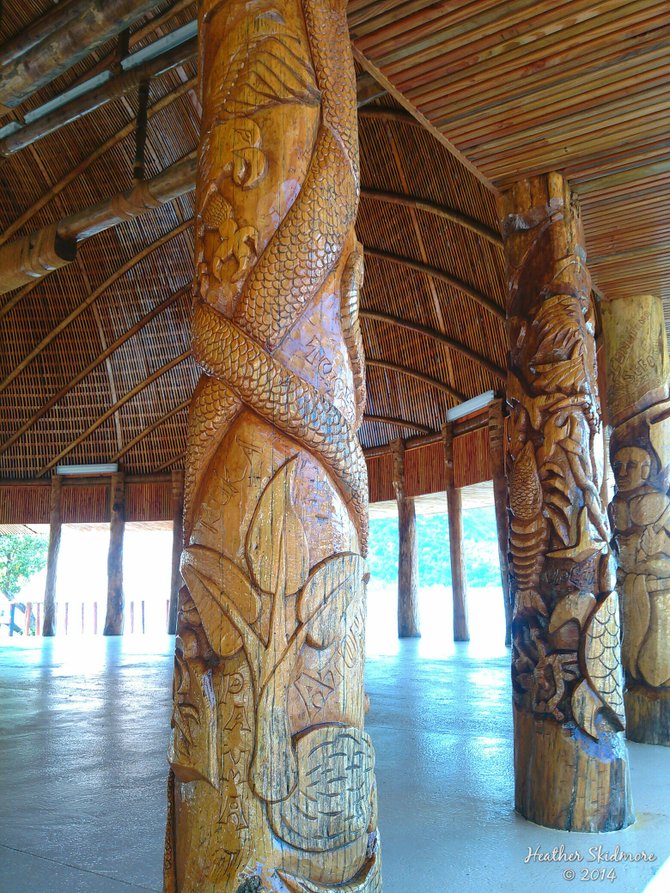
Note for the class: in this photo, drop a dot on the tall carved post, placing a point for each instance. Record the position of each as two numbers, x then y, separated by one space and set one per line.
571 763
117 521
177 546
497 455
272 775
638 388
408 563
52 556
459 584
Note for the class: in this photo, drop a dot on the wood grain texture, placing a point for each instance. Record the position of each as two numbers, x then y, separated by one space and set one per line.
115 599
638 383
497 459
459 582
176 580
272 775
55 526
571 767
408 563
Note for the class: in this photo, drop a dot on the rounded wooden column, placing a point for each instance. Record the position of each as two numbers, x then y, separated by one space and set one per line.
115 599
497 458
272 775
571 766
55 526
638 388
177 546
408 561
459 580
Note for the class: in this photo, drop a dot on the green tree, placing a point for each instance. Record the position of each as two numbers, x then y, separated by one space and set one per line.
21 556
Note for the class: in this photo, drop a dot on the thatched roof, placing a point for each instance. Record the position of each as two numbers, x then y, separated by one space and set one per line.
95 360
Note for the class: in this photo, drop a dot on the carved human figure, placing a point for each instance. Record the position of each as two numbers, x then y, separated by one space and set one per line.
272 775
566 668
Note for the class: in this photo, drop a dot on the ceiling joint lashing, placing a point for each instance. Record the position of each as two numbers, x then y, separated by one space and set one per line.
141 131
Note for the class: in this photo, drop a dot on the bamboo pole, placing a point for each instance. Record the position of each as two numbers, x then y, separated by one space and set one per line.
497 456
459 584
52 557
70 41
408 564
571 765
115 598
176 580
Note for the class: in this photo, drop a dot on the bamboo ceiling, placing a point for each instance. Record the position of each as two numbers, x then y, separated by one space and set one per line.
95 365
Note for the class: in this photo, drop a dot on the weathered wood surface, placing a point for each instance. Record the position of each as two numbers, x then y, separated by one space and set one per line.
272 776
638 388
408 562
176 580
571 767
497 457
52 556
115 598
459 582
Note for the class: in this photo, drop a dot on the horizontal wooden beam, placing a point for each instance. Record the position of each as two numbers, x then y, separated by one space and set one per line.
442 211
449 342
398 423
110 412
417 376
478 297
68 43
460 427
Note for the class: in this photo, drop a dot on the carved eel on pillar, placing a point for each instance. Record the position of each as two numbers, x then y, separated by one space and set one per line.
571 768
638 386
272 783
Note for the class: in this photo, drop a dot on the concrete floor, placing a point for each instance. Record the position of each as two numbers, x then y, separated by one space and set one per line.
82 775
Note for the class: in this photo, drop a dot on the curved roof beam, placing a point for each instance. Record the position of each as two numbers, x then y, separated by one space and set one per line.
422 204
451 343
408 262
80 376
110 412
150 428
86 303
399 423
418 376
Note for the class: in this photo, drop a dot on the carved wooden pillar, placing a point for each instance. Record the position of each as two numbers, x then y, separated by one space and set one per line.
638 388
408 563
459 583
571 763
177 546
52 557
117 521
497 455
272 775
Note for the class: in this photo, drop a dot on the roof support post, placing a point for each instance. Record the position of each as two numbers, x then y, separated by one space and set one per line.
176 580
269 699
52 557
408 564
459 580
115 596
571 764
497 457
638 388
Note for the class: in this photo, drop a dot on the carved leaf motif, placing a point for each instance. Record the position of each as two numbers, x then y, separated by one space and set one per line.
276 532
271 67
212 578
525 487
332 803
325 597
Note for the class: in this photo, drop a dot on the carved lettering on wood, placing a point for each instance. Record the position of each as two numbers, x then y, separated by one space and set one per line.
272 775
566 643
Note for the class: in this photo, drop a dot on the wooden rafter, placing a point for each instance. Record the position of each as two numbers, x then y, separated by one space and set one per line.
91 298
417 376
152 427
421 204
398 423
483 300
451 343
110 412
101 358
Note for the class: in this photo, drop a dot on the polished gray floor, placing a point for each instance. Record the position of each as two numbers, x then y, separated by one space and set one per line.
82 775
